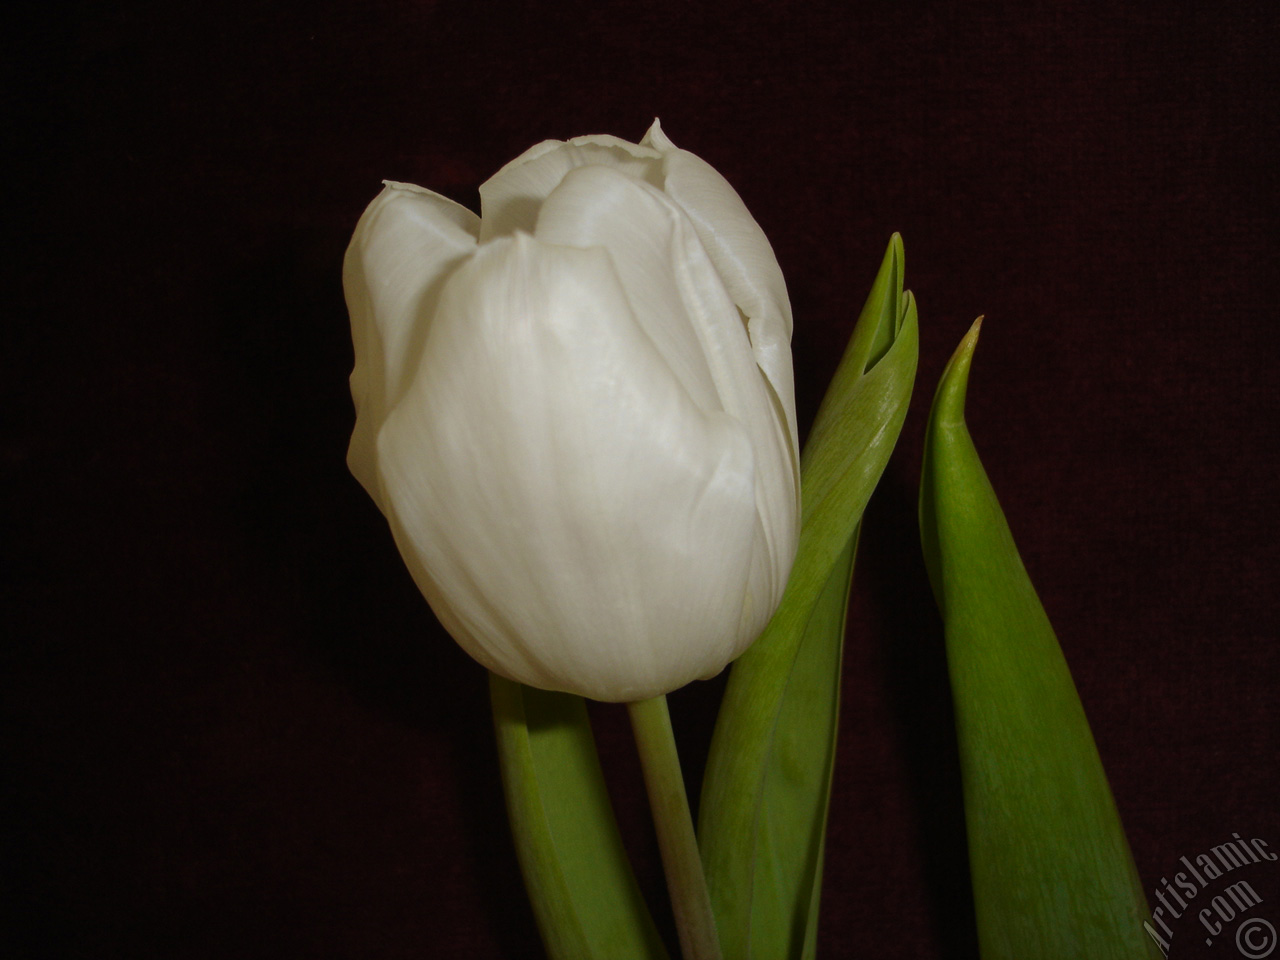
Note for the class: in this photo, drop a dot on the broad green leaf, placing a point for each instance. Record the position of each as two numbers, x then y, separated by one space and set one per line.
796 798
762 817
584 895
1052 873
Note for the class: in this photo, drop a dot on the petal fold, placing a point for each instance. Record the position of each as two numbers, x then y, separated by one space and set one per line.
509 200
743 257
680 302
405 245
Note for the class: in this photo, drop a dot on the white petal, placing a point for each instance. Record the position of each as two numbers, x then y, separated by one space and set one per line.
406 243
680 302
574 519
509 200
647 239
742 255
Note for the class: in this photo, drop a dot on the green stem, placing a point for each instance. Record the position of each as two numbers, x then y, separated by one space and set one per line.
690 902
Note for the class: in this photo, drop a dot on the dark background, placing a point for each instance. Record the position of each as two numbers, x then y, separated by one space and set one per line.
231 726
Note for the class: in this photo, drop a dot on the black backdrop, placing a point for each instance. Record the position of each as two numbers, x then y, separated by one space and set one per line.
231 726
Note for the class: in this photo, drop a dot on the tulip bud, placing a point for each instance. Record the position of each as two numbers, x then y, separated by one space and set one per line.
576 412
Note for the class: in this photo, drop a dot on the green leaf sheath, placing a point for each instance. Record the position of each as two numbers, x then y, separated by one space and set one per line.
762 816
1052 873
585 898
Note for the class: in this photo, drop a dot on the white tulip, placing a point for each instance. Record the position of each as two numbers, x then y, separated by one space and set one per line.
577 413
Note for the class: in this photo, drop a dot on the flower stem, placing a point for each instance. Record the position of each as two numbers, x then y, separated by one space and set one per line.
690 902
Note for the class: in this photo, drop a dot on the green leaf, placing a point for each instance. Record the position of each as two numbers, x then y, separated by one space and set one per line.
585 897
765 795
1052 873
797 793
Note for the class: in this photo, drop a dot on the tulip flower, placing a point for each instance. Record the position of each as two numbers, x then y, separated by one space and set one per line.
576 412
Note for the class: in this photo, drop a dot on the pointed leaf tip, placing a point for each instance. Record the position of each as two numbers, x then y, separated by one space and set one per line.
885 310
948 405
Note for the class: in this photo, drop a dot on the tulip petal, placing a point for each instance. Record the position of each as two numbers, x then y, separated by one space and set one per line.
680 302
602 207
406 242
742 255
509 200
585 526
